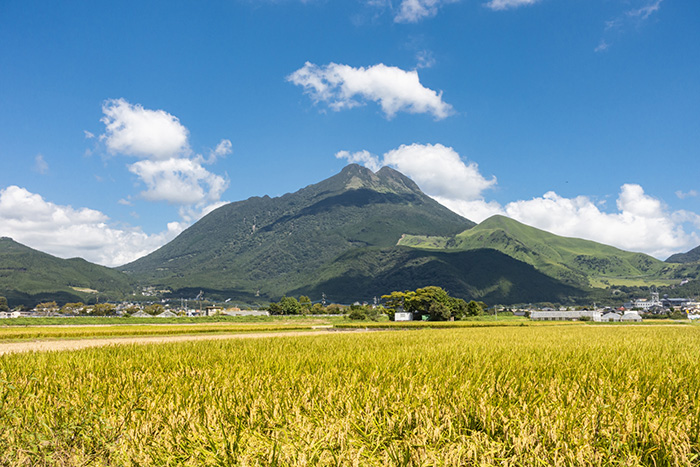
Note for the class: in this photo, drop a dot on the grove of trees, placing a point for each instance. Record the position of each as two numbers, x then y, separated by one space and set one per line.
432 302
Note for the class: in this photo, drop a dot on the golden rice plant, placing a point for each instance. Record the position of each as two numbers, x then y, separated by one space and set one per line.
510 396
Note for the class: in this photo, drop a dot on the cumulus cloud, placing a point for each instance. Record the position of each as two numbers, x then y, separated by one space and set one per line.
168 167
439 170
134 131
40 165
508 4
361 157
395 90
179 181
68 232
639 223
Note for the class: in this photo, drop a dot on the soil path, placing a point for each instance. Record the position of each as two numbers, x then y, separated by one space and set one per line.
75 344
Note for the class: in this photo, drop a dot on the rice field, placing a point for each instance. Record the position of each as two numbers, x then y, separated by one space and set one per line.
17 333
525 396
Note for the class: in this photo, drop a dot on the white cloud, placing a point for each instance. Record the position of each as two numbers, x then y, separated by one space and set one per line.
476 210
645 11
362 157
40 165
602 46
223 148
179 181
641 222
135 131
439 170
686 194
412 11
508 4
88 135
168 168
395 90
630 18
425 59
68 232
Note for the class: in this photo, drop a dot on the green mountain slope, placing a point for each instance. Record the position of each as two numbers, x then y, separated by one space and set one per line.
482 274
574 261
692 256
28 276
276 245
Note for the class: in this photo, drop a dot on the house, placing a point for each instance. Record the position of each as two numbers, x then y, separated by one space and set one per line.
403 316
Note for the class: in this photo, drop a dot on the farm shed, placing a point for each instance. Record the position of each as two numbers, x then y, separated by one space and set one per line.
565 315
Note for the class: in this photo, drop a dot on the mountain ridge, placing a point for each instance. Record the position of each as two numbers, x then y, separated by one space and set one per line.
28 276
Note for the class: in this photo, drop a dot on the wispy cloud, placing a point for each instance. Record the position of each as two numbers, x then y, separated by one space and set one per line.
629 18
40 165
645 11
509 4
686 194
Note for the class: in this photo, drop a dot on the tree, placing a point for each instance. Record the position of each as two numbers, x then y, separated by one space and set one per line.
433 301
72 308
305 303
104 309
475 308
46 306
3 304
154 309
286 306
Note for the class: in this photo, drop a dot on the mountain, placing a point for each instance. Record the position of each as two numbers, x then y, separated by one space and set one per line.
581 263
277 245
483 274
28 276
692 256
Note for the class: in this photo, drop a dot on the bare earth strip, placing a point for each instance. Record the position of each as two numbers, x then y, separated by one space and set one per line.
75 344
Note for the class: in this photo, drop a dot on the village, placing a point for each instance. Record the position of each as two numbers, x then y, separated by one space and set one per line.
633 311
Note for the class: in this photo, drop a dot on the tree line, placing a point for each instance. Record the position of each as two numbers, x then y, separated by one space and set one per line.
431 303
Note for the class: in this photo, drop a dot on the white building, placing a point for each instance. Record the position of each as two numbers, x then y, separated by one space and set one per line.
593 315
611 317
631 316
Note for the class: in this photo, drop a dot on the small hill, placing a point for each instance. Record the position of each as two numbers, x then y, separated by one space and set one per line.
28 276
692 256
277 245
574 261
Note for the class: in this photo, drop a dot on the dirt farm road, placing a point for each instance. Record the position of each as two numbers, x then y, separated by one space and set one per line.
75 344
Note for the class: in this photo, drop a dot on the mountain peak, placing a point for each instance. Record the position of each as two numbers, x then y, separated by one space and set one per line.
385 180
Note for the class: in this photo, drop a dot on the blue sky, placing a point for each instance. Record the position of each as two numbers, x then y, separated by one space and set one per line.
121 123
